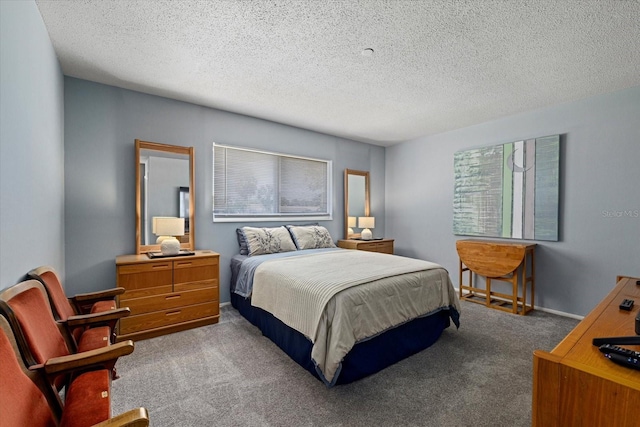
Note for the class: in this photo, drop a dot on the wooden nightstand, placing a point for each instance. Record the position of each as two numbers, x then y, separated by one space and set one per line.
384 246
167 295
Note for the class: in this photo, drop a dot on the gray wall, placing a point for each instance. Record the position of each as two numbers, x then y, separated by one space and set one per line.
31 145
101 124
600 181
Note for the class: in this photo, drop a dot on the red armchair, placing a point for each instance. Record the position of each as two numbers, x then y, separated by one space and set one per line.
92 302
27 396
83 310
46 338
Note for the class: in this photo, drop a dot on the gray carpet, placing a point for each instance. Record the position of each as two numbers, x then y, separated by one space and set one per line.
230 375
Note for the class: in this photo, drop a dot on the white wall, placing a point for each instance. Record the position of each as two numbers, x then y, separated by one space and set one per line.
31 145
600 181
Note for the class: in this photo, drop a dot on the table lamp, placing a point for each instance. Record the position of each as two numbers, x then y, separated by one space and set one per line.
167 228
351 223
366 222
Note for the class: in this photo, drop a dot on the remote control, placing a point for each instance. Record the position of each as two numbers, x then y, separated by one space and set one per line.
621 356
611 349
626 304
629 362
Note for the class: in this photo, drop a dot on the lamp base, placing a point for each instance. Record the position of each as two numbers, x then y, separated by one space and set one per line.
170 246
366 234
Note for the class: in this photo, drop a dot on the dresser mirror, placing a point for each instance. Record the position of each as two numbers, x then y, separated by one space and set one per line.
356 200
165 177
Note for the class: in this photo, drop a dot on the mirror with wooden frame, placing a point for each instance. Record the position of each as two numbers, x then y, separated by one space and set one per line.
356 200
165 178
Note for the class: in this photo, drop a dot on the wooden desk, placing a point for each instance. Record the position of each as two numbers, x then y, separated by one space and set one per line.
503 261
575 385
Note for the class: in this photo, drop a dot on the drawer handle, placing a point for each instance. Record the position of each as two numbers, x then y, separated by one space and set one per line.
172 313
182 264
160 266
172 297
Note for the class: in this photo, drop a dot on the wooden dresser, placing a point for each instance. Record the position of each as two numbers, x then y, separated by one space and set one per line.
384 246
167 295
575 385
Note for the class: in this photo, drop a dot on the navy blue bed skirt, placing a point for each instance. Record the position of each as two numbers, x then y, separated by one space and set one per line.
366 357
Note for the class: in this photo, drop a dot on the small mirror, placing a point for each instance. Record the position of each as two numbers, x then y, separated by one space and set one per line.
164 188
356 200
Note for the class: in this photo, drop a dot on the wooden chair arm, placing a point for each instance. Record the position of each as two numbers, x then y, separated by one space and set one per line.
106 356
138 417
99 295
103 317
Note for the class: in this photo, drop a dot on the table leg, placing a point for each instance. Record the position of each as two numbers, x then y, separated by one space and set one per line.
514 296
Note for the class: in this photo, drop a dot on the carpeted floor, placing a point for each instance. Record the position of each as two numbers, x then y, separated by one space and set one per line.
230 375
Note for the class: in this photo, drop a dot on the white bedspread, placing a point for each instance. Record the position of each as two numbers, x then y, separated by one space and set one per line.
337 299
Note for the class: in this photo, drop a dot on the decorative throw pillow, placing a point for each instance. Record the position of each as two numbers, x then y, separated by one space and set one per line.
311 237
242 242
262 241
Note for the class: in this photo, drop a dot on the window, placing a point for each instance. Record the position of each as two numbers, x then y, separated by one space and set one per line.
250 185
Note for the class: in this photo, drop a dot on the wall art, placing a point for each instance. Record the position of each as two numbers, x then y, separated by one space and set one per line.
508 190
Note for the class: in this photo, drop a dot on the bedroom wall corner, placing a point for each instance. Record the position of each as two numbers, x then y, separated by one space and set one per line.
32 145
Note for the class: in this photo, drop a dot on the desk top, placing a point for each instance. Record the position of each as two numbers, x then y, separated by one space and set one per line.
606 320
492 258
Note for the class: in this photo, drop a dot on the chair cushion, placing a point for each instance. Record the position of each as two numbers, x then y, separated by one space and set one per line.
102 306
22 402
94 338
88 399
38 325
58 297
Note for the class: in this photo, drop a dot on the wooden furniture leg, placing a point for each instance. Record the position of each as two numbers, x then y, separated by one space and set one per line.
514 300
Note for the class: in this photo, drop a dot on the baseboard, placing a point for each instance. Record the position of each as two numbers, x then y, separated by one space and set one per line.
547 310
560 313
222 304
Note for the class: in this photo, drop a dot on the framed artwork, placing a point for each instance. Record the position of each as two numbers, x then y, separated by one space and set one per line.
509 190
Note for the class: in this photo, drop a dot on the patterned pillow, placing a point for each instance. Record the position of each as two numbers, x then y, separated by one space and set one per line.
311 237
262 241
242 242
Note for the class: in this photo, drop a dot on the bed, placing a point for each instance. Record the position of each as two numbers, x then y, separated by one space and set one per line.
341 314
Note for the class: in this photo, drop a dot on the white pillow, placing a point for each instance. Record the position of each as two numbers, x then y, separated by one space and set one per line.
262 241
311 237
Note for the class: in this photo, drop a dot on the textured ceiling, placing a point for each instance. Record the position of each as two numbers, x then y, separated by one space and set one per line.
436 65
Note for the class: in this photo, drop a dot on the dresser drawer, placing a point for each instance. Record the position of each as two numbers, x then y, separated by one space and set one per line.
212 283
141 276
195 270
384 247
169 300
143 322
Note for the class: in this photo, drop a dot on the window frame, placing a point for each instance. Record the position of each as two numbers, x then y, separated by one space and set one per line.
243 217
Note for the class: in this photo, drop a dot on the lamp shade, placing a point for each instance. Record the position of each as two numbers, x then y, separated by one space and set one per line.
168 226
154 221
351 222
366 222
